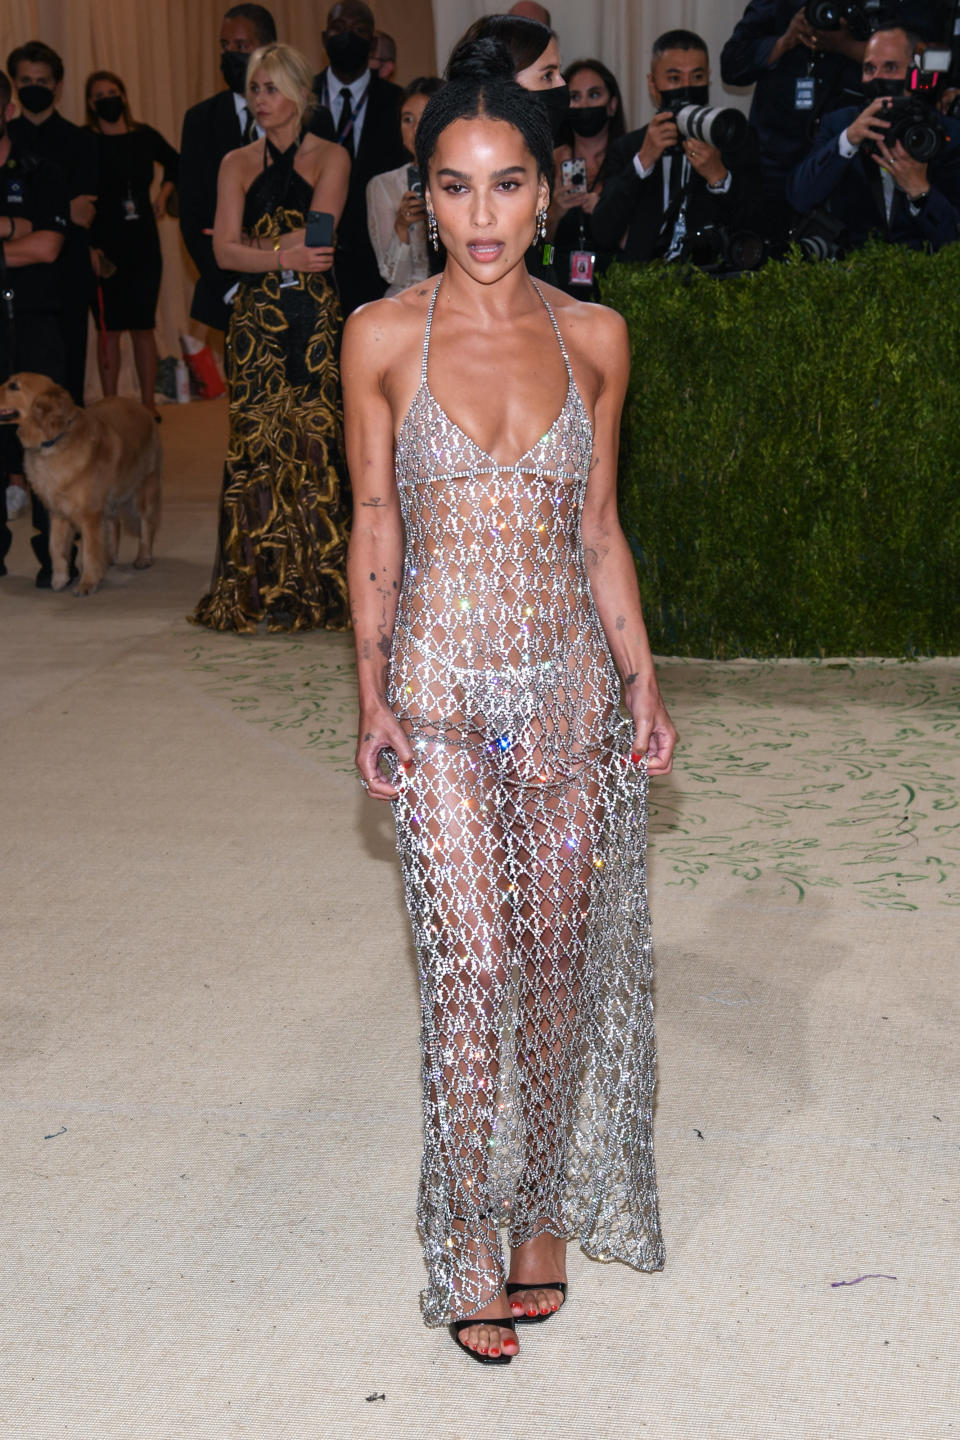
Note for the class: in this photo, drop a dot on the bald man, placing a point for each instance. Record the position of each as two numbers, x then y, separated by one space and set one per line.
528 10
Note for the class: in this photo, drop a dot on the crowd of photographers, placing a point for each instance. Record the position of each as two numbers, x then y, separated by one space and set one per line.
853 131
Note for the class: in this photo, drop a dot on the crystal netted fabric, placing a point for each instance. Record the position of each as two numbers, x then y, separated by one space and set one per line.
521 830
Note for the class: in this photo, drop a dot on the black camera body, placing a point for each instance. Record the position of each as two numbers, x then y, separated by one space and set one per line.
718 250
916 125
831 14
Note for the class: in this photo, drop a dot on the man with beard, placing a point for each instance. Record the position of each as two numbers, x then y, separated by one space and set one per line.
366 118
873 187
210 130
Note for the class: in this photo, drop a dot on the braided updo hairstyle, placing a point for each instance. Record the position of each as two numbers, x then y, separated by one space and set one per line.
481 83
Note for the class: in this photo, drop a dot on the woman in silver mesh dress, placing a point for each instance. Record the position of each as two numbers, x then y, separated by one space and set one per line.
497 622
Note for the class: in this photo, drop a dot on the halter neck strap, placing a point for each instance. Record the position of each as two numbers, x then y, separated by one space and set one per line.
546 305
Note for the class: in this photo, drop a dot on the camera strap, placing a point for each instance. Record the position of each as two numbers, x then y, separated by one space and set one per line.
673 225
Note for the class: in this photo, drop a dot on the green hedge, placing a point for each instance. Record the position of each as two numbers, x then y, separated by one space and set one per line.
790 463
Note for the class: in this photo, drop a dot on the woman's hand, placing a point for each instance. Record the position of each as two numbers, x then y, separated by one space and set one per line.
566 199
654 734
311 259
412 210
289 239
380 730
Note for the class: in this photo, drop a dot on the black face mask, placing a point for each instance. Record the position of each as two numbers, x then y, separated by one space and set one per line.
556 102
233 68
109 107
588 120
675 100
883 89
35 98
348 52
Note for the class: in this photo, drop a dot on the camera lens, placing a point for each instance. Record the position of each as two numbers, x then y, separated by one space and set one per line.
921 141
723 129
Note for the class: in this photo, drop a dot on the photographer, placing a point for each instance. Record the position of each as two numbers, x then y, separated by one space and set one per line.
870 186
661 189
800 74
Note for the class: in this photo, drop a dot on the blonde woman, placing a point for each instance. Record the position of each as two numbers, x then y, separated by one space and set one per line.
284 520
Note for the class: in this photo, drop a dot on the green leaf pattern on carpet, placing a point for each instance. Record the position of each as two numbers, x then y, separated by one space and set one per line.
797 776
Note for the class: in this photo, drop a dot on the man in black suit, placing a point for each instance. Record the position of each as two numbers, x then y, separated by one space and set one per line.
887 192
366 117
37 73
801 75
210 130
660 191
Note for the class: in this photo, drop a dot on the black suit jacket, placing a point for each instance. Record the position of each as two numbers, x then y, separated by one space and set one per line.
210 131
853 193
635 207
380 148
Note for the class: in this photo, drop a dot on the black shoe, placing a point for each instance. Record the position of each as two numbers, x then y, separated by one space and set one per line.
458 1325
539 1285
44 580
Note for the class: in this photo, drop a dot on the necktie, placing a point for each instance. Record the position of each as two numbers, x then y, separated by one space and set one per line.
345 127
249 127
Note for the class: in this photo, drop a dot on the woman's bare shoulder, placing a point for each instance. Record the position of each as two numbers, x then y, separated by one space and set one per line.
323 153
243 162
386 328
595 327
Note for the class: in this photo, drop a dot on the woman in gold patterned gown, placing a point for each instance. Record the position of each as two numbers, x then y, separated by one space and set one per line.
285 509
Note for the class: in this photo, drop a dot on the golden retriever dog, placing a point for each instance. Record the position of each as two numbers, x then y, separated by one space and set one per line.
91 468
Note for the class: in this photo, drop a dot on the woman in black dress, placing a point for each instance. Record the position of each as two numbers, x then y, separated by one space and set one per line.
285 509
124 233
594 122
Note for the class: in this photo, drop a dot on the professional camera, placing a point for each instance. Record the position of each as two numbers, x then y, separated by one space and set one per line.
723 129
830 15
819 236
721 251
918 127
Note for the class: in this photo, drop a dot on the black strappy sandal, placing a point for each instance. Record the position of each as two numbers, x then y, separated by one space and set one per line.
537 1285
458 1325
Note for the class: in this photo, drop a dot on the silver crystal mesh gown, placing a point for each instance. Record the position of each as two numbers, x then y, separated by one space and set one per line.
521 831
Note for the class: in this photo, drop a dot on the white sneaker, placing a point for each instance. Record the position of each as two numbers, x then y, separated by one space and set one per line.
18 500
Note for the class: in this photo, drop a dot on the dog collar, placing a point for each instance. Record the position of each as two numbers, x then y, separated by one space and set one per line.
46 444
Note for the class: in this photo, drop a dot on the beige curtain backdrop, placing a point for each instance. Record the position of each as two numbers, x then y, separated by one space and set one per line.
167 53
618 32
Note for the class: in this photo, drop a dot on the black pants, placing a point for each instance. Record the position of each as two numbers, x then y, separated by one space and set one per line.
38 346
74 320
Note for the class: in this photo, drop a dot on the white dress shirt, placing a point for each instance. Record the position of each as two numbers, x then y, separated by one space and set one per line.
359 91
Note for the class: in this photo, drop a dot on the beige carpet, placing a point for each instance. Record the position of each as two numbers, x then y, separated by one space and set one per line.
209 1059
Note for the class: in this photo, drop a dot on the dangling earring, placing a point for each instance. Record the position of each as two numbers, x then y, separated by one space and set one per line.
542 224
432 230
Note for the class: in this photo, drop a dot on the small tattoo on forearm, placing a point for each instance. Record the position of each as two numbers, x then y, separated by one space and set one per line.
383 645
374 503
631 678
621 622
369 735
591 557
